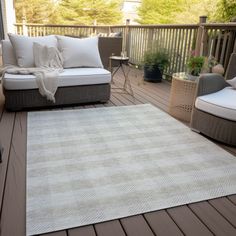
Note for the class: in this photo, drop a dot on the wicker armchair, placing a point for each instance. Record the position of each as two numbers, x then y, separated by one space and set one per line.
211 125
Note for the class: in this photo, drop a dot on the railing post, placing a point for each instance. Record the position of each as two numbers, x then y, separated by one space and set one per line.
24 27
95 27
127 37
200 36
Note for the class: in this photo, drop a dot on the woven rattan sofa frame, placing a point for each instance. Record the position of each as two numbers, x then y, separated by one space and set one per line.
16 100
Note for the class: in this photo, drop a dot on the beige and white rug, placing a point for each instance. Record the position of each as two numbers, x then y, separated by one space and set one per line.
92 165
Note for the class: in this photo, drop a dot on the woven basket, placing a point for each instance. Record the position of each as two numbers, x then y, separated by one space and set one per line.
182 98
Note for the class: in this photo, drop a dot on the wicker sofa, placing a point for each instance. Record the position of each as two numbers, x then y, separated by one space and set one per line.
76 85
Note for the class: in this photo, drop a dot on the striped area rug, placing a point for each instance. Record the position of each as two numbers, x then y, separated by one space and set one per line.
93 165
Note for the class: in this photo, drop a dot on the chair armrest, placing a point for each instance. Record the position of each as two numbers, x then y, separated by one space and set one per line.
231 70
210 83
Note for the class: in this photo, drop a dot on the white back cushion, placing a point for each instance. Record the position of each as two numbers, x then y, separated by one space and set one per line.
80 52
8 54
23 47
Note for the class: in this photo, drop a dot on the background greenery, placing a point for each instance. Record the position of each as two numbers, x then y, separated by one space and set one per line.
185 11
108 12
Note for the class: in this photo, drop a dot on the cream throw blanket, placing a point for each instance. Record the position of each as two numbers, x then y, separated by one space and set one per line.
49 63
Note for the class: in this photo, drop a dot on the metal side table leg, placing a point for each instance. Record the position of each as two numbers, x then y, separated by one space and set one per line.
127 84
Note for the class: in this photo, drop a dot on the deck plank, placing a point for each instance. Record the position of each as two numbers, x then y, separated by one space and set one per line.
109 228
162 224
59 233
123 99
232 198
217 224
6 127
1 103
136 226
14 202
82 231
146 97
188 222
116 101
226 208
159 91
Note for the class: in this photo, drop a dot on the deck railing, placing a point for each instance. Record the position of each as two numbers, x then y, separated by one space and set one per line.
218 40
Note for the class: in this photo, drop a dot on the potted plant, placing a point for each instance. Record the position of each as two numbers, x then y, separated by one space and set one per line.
195 65
154 63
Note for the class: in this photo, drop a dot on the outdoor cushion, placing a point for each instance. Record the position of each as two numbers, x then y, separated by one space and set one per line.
69 77
23 47
80 52
8 54
232 82
221 103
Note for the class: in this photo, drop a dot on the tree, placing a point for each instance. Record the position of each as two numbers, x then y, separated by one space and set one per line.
175 11
226 11
192 9
87 12
36 11
158 12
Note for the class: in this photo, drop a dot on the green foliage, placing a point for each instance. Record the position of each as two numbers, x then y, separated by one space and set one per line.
192 9
36 11
86 12
108 12
185 11
158 12
195 65
158 59
82 12
226 10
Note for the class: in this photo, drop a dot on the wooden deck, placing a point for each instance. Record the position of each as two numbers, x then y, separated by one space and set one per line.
212 217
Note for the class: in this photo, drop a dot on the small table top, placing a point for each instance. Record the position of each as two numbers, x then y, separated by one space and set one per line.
119 58
185 77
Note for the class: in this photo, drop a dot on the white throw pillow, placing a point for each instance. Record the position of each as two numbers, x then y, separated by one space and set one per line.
23 47
232 82
8 53
80 52
47 57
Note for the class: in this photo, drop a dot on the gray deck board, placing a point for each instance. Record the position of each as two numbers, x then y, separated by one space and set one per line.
136 226
213 219
82 231
113 228
6 127
59 233
188 222
14 198
217 216
226 208
162 224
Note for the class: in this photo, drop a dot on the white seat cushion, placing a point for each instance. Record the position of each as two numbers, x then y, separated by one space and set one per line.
221 103
69 77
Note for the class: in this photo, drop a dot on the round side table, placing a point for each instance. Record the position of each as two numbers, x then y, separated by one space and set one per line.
121 61
182 97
